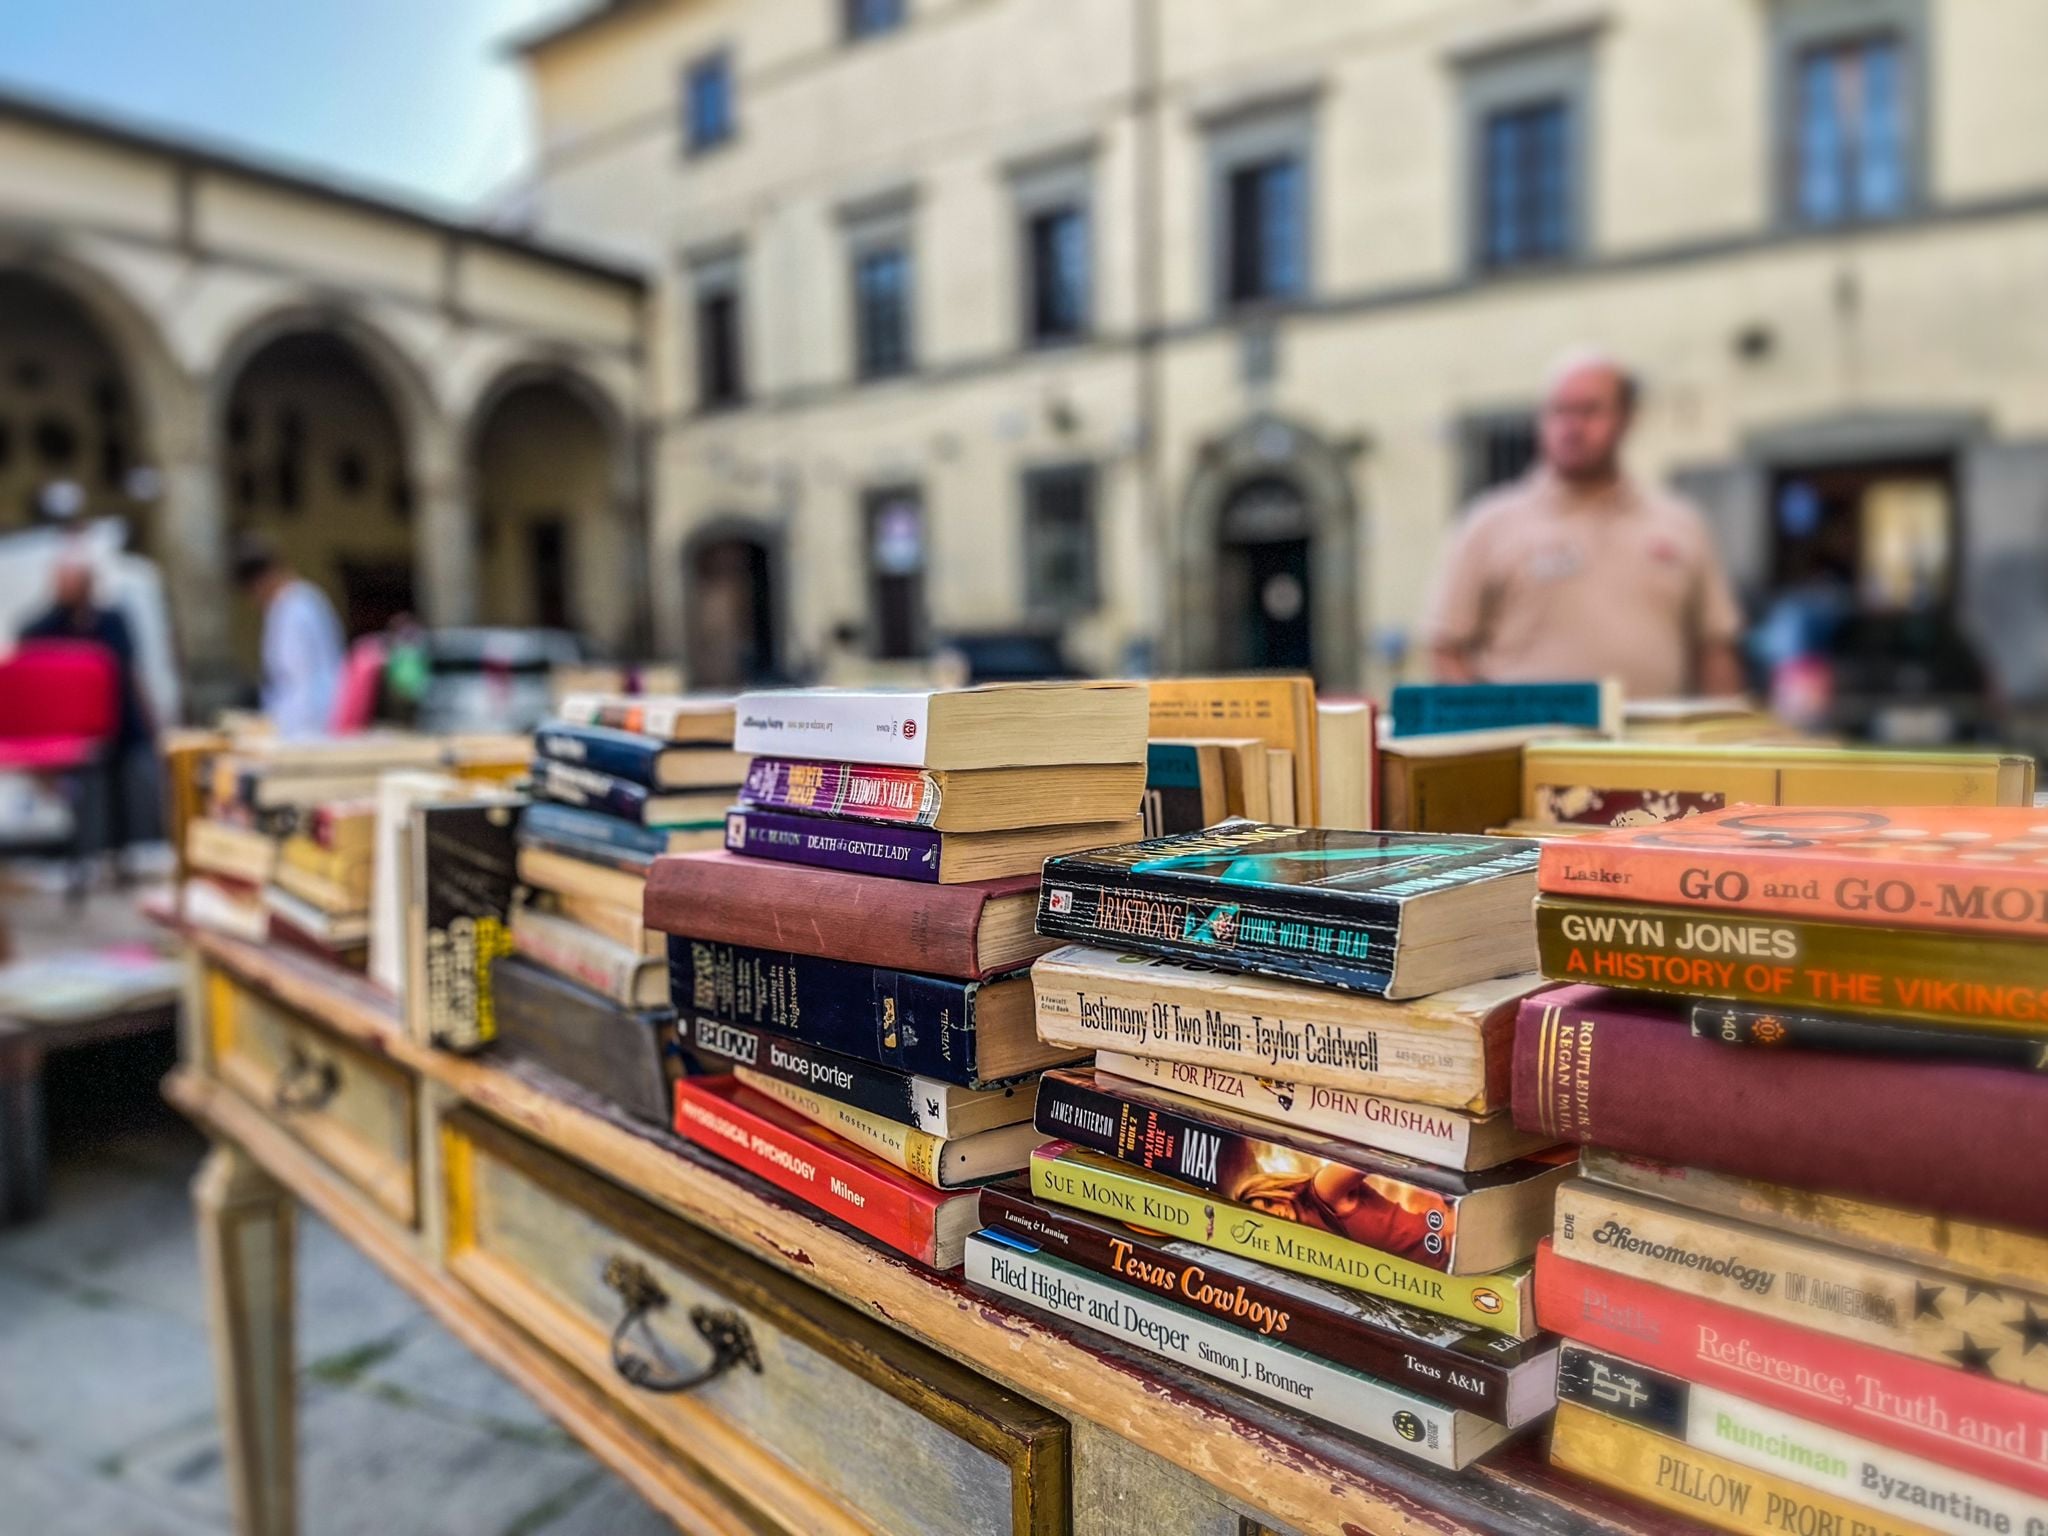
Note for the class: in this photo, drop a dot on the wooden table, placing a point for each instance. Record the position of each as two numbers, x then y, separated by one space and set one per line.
882 1396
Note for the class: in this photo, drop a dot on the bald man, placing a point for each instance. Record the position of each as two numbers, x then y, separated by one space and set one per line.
1578 571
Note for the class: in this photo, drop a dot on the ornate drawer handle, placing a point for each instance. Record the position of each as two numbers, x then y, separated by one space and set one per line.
726 1332
306 1084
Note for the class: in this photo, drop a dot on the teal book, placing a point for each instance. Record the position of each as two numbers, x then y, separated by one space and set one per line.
1433 709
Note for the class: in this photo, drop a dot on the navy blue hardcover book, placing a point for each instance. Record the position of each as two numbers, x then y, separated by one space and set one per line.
973 1033
1431 709
622 754
572 784
573 824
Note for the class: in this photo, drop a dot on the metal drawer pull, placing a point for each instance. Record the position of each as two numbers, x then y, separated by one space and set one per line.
726 1332
306 1084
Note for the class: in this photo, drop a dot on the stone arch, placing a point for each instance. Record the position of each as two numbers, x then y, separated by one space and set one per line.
1271 451
734 599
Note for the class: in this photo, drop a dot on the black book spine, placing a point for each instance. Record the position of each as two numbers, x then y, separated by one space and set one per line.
1752 1024
621 1054
1383 1339
844 1078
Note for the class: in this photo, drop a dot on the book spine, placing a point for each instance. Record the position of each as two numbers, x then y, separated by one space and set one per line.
463 883
842 1187
567 823
1497 1301
1226 1162
1815 1456
602 750
1413 1130
567 784
892 729
1752 1024
581 956
858 791
861 1084
893 1142
1895 972
1862 1297
895 853
1458 1379
1708 1489
1379 1412
1966 1140
908 1023
1430 709
1145 1015
1957 1418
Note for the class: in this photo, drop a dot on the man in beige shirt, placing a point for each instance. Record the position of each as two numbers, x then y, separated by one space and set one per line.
1578 571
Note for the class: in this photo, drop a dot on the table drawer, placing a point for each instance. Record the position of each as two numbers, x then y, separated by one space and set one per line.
827 1422
355 1110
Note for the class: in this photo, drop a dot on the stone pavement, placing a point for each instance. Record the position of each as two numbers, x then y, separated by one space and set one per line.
106 1384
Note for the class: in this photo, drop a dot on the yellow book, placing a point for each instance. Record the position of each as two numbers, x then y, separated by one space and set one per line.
1068 1176
1674 1476
1279 711
940 1162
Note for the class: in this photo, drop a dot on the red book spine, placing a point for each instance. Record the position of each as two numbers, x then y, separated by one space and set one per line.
793 1154
1952 1417
899 925
1626 1073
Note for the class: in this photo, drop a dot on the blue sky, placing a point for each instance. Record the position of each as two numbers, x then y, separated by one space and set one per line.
415 96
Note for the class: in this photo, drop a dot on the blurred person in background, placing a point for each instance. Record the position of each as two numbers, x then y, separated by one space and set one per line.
1579 571
302 641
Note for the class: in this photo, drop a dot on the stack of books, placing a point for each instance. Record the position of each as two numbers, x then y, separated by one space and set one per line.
617 782
857 955
319 892
1291 1165
1805 1268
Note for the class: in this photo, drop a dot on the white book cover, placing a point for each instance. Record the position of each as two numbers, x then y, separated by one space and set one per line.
836 725
1445 1437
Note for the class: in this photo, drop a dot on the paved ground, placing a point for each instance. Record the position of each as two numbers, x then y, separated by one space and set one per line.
106 1386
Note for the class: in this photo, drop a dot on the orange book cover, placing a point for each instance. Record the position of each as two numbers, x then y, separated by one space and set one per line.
1974 869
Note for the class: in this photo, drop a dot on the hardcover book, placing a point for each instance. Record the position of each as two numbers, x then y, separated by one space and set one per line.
824 1171
1778 1029
910 853
939 1108
1451 1048
995 725
974 1033
1461 1223
1974 869
1450 1138
1277 711
933 1160
1470 781
623 1055
1442 1436
1910 973
569 827
458 919
946 800
1073 1176
1840 1466
1507 1381
574 785
1387 913
1859 1296
234 852
1701 1487
1429 709
1893 1399
645 760
968 931
1626 1073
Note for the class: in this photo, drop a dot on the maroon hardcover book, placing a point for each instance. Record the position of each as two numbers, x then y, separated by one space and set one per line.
1628 1073
969 931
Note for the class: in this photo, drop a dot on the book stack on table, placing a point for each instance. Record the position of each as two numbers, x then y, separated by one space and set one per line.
617 781
1806 1263
1291 1165
857 953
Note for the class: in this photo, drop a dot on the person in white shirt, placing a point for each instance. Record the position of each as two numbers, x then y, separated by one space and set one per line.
302 641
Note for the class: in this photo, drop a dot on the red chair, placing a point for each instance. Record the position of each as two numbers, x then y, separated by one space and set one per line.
60 709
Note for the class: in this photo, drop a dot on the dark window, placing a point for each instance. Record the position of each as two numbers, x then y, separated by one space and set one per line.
881 299
1497 451
869 18
1056 254
288 472
351 471
547 553
719 377
1525 212
113 460
1059 540
896 562
707 103
56 442
1268 237
1850 154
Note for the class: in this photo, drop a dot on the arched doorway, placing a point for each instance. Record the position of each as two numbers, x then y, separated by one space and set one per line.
313 457
72 429
545 472
1264 587
731 573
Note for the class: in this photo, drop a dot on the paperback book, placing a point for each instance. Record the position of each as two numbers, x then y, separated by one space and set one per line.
1428 709
995 725
458 919
909 852
573 785
946 800
933 1160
